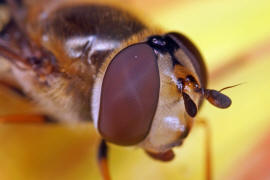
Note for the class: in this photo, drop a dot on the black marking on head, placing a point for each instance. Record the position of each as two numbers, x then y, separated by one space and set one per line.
164 45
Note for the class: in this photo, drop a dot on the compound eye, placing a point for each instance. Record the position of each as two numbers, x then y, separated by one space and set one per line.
190 49
129 95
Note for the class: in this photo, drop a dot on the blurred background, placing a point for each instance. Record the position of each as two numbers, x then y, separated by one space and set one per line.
234 38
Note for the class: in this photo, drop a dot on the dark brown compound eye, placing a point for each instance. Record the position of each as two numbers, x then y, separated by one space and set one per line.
129 95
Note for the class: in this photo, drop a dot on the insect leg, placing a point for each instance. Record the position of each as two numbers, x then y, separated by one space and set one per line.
13 57
12 87
30 117
103 160
23 118
208 160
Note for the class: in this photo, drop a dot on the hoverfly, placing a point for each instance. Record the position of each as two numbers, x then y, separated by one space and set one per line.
89 61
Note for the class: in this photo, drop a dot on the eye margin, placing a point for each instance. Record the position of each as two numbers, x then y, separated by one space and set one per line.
192 51
147 125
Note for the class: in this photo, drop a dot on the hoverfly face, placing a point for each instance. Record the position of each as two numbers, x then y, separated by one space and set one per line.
149 93
177 102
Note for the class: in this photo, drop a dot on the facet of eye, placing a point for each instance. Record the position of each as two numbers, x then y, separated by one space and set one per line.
129 95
